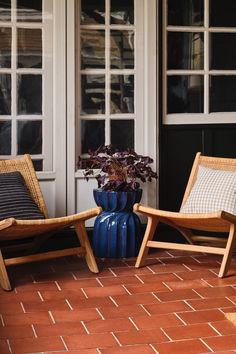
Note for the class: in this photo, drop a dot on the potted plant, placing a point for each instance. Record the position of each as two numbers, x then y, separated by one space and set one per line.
117 231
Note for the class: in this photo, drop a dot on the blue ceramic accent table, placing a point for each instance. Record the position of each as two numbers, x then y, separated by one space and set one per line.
117 231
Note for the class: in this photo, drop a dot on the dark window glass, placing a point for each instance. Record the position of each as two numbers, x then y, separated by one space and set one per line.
185 94
122 49
92 49
5 10
5 137
222 93
29 94
29 10
122 12
29 134
5 47
185 12
38 165
185 50
29 45
122 133
5 94
122 94
92 12
93 134
222 13
93 94
223 51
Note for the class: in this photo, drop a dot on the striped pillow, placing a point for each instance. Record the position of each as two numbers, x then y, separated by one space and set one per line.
213 190
15 200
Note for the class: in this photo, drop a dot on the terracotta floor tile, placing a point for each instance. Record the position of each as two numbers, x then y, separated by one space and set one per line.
4 349
197 274
162 277
113 325
90 341
177 295
47 305
201 304
190 331
75 315
156 321
222 342
168 268
147 298
55 276
80 351
27 318
63 294
122 311
179 260
187 284
11 297
34 345
182 347
77 284
202 316
211 264
125 280
229 309
50 286
104 291
141 337
167 307
216 292
130 270
131 349
15 307
10 332
90 302
147 287
86 274
58 329
224 327
231 280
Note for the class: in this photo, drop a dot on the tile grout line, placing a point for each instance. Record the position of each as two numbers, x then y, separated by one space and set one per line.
74 276
83 291
1 318
86 329
201 297
22 306
136 275
117 340
145 309
68 303
9 346
206 345
212 326
62 339
156 296
178 276
186 302
112 272
152 271
129 293
180 319
58 286
52 318
40 296
133 323
99 282
114 302
100 313
230 300
167 286
155 351
33 329
171 340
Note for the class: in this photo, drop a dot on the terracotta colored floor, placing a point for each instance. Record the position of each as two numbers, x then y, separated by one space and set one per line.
176 304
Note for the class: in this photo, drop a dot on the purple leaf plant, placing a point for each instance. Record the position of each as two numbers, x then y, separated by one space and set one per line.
118 170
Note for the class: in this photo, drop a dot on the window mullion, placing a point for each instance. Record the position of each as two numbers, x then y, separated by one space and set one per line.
107 73
206 59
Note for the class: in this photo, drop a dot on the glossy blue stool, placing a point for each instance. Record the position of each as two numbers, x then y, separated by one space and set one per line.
117 231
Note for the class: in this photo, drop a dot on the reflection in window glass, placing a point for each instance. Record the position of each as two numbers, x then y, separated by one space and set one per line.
29 47
122 94
5 10
122 12
29 10
185 50
122 49
222 14
122 133
92 49
29 134
5 137
38 165
222 94
5 94
223 51
93 134
29 94
186 12
185 94
93 94
5 47
92 12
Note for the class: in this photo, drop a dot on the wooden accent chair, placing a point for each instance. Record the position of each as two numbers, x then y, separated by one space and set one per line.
40 230
185 223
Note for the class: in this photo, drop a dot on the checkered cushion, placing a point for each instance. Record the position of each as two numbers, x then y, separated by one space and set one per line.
213 190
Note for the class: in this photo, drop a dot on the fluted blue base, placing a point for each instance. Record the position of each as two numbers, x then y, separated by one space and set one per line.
117 231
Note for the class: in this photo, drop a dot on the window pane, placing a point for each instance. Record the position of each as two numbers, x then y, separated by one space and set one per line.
185 12
5 137
222 13
5 10
93 94
93 134
122 12
122 49
29 134
29 10
5 47
122 94
92 49
38 165
5 94
122 133
222 93
29 48
92 12
185 50
185 94
29 94
223 51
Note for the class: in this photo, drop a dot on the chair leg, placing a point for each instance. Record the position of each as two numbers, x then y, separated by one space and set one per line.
149 233
228 251
84 241
4 280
